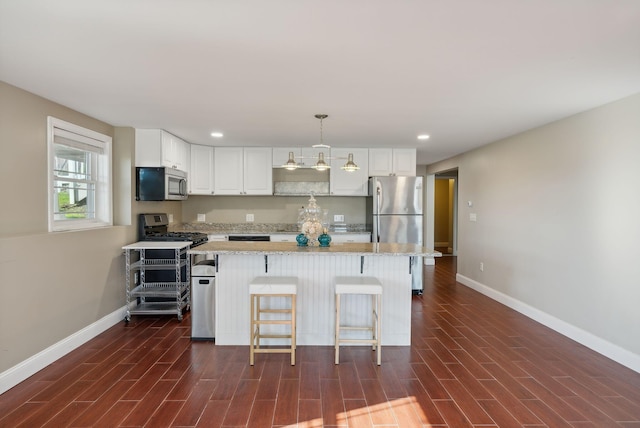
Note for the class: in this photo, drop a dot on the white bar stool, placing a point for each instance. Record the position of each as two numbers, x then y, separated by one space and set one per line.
272 286
360 285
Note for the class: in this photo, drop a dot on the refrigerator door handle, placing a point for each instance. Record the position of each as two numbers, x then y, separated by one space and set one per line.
410 265
377 237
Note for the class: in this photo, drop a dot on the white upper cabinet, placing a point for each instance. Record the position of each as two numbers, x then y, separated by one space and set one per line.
228 170
156 147
243 171
392 162
201 170
344 183
258 179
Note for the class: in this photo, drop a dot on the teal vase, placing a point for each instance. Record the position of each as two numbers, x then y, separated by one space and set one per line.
324 240
302 240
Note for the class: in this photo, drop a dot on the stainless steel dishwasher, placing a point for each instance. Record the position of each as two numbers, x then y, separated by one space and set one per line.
203 300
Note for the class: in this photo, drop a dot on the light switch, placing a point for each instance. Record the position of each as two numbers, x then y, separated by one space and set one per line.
472 217
170 218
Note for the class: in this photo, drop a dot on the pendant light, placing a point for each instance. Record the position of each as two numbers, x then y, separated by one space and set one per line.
350 166
321 164
291 163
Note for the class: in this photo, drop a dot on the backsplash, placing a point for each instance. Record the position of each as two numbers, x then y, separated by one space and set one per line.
257 227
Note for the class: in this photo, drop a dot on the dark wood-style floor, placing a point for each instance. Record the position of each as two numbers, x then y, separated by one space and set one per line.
472 362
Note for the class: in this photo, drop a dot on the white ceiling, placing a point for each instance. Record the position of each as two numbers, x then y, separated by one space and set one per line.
467 72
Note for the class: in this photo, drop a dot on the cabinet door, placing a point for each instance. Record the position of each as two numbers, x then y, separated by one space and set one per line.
258 179
217 237
380 162
345 183
282 238
350 237
201 170
404 162
227 170
181 153
168 150
148 147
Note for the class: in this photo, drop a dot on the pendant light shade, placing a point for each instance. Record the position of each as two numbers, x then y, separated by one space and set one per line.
321 165
291 163
350 166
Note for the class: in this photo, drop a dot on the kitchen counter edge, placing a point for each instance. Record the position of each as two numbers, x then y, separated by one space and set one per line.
289 248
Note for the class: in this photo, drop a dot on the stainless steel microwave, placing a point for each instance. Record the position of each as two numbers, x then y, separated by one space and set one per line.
160 184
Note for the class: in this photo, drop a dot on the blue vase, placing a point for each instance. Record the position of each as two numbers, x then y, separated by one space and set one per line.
302 240
324 240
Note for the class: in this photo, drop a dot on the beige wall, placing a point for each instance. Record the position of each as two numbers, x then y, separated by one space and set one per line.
52 284
557 221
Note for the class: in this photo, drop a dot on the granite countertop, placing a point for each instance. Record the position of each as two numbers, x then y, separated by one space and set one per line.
289 248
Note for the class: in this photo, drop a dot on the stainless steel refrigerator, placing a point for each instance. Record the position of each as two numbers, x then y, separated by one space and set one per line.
394 210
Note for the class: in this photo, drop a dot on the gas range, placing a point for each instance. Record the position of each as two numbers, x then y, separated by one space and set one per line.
154 227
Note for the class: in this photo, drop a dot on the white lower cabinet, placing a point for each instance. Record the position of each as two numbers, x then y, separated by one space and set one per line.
343 238
283 238
217 237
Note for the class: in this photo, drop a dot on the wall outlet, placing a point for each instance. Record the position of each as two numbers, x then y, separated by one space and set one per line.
338 218
481 267
202 217
473 217
249 217
170 218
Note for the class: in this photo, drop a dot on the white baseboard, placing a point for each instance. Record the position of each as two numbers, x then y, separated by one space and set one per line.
16 374
608 349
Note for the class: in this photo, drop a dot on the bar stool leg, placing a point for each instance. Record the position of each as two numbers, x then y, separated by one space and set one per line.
252 338
293 329
379 327
337 345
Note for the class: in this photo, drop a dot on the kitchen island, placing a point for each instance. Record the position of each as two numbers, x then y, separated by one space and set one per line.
315 267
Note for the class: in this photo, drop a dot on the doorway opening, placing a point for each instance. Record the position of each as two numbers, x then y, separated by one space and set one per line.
446 212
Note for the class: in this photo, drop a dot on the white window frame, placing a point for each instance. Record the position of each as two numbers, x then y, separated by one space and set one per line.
67 134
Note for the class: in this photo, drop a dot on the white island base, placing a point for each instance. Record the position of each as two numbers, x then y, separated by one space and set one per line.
315 300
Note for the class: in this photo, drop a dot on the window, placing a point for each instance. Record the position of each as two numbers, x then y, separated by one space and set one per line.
79 177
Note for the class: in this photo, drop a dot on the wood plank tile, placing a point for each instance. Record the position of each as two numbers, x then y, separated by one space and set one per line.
333 411
379 407
471 359
286 410
241 403
262 414
213 414
195 404
310 413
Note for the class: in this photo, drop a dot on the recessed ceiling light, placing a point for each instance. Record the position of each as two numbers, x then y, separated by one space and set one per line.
217 134
423 137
